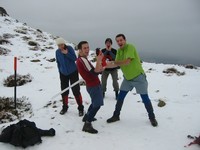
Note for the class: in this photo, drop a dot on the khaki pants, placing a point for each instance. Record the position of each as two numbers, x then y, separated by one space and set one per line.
104 78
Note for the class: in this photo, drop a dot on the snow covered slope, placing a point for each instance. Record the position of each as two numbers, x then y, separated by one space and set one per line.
177 119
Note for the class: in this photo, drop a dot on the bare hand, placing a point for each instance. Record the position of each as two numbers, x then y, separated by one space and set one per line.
64 51
100 57
128 61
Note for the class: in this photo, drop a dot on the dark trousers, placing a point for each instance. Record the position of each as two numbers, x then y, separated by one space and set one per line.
71 78
92 111
145 99
104 79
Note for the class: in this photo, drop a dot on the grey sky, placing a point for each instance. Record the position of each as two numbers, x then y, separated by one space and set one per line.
162 30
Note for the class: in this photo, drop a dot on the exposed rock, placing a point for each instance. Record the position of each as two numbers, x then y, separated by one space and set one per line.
51 43
171 71
4 41
35 60
32 43
94 59
20 31
4 51
49 47
50 67
7 20
93 54
51 60
7 111
3 12
26 38
21 80
22 28
35 48
161 103
37 54
190 66
8 36
41 40
54 37
39 30
39 36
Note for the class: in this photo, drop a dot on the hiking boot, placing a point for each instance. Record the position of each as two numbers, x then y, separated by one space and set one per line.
80 110
85 118
116 94
113 119
89 128
80 113
64 110
154 122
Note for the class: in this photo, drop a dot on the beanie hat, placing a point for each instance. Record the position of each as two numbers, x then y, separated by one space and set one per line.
60 41
108 40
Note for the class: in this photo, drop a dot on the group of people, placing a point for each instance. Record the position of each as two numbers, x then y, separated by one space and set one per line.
108 61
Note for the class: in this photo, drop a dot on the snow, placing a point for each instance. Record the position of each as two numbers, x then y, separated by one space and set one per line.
177 119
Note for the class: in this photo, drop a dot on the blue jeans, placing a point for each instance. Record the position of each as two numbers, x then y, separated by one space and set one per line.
97 101
96 95
145 99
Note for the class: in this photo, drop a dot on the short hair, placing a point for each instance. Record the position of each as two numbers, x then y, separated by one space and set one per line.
120 35
108 40
81 44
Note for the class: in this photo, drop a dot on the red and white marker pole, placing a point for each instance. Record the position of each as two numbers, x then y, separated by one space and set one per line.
15 87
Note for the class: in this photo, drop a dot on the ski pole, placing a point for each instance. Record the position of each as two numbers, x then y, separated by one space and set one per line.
75 83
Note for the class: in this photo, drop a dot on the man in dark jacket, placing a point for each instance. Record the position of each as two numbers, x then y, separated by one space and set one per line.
66 57
109 55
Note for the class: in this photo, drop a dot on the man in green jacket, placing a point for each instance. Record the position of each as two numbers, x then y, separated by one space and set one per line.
134 77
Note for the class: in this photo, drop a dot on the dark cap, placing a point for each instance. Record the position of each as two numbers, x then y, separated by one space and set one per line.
108 40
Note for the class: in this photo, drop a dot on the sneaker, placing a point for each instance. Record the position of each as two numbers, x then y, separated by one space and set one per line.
154 122
89 128
113 119
64 110
85 118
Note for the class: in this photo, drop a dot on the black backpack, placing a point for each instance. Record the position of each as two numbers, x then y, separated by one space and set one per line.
24 133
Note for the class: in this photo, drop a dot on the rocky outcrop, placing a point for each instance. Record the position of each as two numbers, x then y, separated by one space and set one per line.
3 12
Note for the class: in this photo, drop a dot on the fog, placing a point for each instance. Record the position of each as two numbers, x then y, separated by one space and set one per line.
165 31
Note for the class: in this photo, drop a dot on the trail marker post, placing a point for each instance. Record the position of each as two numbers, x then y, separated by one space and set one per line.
15 78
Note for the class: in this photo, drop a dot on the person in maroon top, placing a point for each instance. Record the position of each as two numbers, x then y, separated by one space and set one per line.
90 74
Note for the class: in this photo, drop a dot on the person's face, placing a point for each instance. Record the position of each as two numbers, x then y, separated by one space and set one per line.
108 44
61 46
121 41
85 50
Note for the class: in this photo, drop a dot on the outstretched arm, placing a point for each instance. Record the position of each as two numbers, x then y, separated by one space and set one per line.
113 64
